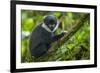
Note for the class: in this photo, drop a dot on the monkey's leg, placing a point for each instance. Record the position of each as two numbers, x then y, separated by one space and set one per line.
39 50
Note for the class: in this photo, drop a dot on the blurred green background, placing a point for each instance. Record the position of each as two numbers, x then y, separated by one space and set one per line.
76 48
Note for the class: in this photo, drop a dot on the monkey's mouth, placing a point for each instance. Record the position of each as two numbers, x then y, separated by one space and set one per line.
51 27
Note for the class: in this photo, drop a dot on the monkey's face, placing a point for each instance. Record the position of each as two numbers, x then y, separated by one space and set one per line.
51 26
50 21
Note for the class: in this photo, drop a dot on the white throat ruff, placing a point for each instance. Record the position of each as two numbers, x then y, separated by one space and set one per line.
46 27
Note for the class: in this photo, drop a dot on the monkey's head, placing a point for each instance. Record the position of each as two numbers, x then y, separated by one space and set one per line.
50 21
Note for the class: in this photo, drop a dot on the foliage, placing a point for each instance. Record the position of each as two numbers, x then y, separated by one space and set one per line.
76 48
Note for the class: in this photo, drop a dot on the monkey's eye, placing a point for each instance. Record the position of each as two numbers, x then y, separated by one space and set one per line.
52 25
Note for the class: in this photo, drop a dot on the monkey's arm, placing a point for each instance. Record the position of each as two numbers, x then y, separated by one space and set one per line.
57 37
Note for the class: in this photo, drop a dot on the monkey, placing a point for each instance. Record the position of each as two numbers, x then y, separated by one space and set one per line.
43 36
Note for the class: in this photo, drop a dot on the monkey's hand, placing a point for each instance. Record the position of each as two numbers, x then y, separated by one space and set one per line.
64 32
57 37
